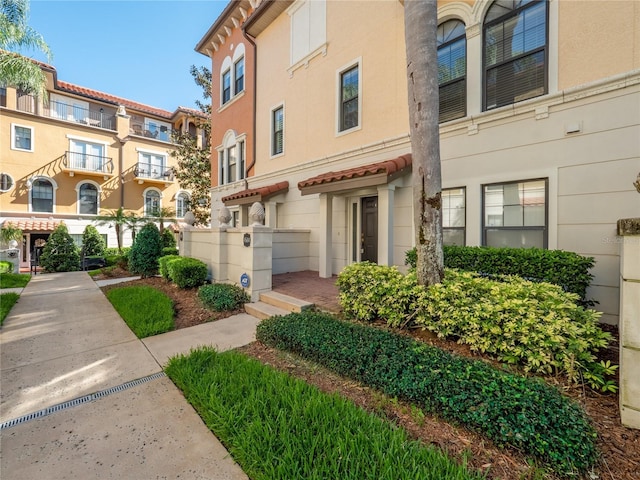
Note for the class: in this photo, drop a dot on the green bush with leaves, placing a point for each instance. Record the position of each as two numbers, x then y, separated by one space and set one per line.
187 272
6 267
92 242
222 296
524 413
168 238
60 253
169 251
114 251
535 325
567 269
163 264
145 252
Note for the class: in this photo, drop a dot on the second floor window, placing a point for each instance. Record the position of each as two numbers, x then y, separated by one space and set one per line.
151 203
277 131
42 196
452 70
349 98
515 52
86 156
22 138
231 159
238 75
88 199
152 166
182 204
226 86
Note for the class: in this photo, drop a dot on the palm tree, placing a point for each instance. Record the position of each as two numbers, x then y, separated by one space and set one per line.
118 218
420 23
164 214
16 36
132 221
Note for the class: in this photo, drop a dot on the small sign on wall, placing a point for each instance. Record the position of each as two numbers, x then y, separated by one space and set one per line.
244 280
246 240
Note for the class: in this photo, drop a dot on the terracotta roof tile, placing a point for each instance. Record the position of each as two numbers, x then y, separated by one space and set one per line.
29 225
260 193
388 166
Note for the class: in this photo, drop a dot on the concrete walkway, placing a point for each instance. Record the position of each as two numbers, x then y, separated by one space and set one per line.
62 342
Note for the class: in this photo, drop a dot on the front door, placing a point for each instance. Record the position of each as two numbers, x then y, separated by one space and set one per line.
369 236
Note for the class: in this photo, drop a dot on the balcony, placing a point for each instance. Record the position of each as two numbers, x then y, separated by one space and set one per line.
151 130
68 112
85 164
153 173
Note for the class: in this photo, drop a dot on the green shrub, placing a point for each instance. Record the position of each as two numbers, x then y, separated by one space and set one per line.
114 251
168 239
222 296
524 413
92 242
169 251
278 427
6 267
567 269
121 261
187 272
536 325
145 252
60 253
146 310
163 263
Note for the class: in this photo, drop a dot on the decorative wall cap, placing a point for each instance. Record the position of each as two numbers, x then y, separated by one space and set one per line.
628 226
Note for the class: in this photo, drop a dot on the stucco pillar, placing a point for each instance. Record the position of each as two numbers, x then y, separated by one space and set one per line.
474 67
257 260
326 233
219 254
629 234
270 215
184 242
386 198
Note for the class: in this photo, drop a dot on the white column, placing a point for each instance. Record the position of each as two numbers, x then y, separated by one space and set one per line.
326 232
386 197
270 215
474 69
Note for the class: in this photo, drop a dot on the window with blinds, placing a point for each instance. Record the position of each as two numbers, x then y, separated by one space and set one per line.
277 131
452 70
515 51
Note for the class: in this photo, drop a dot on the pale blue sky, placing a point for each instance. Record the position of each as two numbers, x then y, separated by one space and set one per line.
139 50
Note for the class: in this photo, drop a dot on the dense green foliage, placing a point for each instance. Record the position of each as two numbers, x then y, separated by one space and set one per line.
60 253
169 250
14 280
524 413
536 325
7 301
222 296
168 239
187 272
92 242
146 310
6 267
145 252
163 263
121 261
567 269
278 427
111 251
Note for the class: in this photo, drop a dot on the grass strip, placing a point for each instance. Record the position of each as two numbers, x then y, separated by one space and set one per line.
146 310
14 280
7 301
279 427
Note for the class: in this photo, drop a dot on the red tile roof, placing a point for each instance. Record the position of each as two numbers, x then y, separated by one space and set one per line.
27 225
256 194
388 167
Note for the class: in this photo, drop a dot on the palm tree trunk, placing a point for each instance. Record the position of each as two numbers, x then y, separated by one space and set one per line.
421 22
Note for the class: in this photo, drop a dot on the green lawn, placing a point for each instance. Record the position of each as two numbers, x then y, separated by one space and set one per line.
146 310
279 427
14 280
7 301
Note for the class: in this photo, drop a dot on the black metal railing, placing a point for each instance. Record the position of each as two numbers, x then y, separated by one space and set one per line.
78 114
153 172
150 130
88 163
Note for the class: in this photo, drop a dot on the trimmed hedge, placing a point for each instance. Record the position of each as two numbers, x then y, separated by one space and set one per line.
567 269
169 251
536 325
187 272
524 413
6 267
163 265
222 296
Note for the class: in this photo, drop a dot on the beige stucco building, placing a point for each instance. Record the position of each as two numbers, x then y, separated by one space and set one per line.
81 154
540 129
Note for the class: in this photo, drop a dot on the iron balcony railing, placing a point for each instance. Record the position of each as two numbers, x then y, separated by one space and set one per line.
78 114
88 163
152 130
152 171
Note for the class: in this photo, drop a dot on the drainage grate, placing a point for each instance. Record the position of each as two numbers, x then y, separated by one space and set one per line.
79 401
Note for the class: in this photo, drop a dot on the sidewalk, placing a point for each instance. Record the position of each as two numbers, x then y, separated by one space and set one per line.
63 342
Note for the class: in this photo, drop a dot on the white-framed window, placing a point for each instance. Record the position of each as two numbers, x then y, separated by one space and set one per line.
152 201
226 86
231 158
21 137
454 216
86 155
42 194
156 129
452 69
182 204
349 97
232 78
152 164
88 197
6 182
66 108
515 214
277 130
238 76
308 28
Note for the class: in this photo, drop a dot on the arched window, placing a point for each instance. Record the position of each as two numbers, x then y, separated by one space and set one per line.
452 70
6 182
88 197
515 51
152 203
231 158
182 204
42 192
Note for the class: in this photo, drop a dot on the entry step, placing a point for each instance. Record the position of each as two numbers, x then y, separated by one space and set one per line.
263 310
285 302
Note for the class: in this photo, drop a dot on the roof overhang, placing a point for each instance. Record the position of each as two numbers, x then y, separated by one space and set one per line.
33 225
231 17
264 15
371 175
260 194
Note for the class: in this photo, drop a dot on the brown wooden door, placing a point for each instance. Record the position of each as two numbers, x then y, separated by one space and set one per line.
369 237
